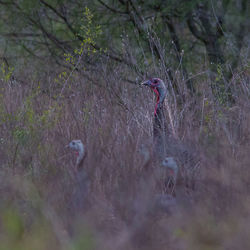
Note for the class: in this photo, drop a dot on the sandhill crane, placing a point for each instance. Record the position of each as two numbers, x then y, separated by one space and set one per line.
159 125
81 181
160 131
164 142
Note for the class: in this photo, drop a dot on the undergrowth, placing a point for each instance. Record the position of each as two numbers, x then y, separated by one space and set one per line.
38 185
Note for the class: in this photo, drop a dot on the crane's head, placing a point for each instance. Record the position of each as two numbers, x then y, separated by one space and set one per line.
159 87
171 164
78 147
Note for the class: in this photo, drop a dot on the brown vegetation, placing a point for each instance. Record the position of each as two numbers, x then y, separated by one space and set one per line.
44 205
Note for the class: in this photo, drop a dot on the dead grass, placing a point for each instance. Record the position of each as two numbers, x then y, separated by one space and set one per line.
115 209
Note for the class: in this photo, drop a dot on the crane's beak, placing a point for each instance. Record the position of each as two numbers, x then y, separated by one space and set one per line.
146 83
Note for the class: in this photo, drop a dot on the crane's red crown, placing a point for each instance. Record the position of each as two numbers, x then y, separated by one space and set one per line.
159 88
152 82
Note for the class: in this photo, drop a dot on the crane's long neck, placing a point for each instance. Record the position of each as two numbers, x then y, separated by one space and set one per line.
159 126
159 122
80 156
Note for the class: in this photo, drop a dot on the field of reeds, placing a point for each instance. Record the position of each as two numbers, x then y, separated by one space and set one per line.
43 205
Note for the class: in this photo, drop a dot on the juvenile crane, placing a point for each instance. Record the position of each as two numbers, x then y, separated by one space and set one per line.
171 165
81 181
78 147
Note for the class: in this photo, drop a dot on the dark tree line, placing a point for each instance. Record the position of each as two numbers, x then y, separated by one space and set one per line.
141 34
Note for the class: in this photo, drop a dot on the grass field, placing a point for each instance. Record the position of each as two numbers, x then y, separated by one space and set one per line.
44 205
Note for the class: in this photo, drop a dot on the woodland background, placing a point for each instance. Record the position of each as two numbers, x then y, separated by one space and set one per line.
71 70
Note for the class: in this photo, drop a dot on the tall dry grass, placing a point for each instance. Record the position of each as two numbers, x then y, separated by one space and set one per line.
44 206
